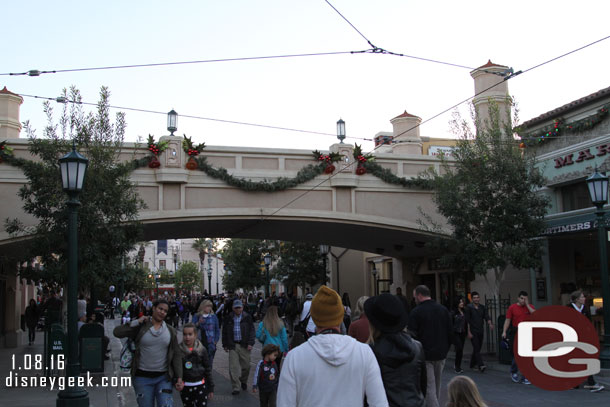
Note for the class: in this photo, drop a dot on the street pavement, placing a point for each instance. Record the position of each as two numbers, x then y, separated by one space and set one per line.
111 396
495 384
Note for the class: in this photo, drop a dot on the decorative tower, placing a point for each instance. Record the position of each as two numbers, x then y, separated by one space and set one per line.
10 127
490 87
406 134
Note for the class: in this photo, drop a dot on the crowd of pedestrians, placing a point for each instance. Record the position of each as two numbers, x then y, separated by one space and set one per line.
383 352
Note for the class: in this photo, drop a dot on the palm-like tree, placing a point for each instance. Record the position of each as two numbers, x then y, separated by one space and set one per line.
201 245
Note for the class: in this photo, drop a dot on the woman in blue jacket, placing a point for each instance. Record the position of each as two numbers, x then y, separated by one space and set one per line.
271 330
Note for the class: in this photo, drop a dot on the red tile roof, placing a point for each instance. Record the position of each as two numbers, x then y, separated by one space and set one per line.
405 114
7 92
552 114
490 64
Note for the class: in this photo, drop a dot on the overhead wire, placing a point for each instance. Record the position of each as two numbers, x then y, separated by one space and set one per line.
36 72
511 75
378 50
133 109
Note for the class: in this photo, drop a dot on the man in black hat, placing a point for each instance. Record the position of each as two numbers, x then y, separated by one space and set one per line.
430 323
400 357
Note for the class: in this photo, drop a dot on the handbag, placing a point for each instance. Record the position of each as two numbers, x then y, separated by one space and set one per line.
127 352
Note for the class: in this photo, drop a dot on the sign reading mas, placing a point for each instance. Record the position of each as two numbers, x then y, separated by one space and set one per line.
582 156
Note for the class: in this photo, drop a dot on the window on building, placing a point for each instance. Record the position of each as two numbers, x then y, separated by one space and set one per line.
575 196
162 265
146 265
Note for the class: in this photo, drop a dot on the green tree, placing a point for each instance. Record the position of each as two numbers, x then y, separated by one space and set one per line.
243 257
108 227
489 196
188 277
300 264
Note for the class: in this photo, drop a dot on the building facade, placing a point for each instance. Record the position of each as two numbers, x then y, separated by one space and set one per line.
569 143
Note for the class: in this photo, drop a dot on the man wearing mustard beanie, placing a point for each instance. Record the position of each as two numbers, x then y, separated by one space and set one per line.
330 360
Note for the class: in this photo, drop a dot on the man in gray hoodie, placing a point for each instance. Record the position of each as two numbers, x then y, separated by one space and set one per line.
330 369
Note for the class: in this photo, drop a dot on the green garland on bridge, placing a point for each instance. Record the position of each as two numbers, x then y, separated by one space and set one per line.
304 175
386 175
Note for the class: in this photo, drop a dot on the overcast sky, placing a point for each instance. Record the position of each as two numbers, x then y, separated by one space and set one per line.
308 93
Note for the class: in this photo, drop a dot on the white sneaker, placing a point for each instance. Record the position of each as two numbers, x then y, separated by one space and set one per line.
594 388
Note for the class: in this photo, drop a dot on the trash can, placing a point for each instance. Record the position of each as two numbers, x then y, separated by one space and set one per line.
91 349
505 356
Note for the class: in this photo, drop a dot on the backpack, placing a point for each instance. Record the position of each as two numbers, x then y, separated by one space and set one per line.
126 358
302 325
292 308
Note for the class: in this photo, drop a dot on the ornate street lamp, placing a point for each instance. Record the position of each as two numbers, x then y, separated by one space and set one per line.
210 267
157 277
374 272
175 253
172 122
598 190
341 130
324 249
267 264
73 168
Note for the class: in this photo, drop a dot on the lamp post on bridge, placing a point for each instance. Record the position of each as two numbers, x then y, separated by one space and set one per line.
73 168
598 190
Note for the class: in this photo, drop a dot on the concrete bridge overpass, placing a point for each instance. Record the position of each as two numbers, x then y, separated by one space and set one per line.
342 209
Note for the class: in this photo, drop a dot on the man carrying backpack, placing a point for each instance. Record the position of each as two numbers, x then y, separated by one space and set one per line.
306 324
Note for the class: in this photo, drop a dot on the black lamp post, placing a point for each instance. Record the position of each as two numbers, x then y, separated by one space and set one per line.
210 246
324 249
172 122
341 130
598 190
73 167
374 271
217 256
157 277
267 264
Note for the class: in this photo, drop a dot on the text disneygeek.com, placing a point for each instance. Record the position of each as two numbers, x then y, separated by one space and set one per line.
15 380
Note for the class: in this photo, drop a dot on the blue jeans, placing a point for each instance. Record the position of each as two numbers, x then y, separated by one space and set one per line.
150 389
211 353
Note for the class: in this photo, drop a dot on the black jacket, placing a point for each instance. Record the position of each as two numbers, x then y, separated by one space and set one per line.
246 327
403 369
585 311
430 324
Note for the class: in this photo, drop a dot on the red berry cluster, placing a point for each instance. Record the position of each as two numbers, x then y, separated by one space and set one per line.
361 159
154 149
192 152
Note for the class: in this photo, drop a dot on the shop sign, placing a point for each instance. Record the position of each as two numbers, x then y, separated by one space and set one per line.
437 150
573 227
582 156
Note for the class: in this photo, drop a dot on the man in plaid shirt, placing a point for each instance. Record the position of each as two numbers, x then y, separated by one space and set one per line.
238 340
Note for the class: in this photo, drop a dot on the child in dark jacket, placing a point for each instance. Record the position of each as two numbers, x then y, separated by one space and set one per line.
196 370
266 377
